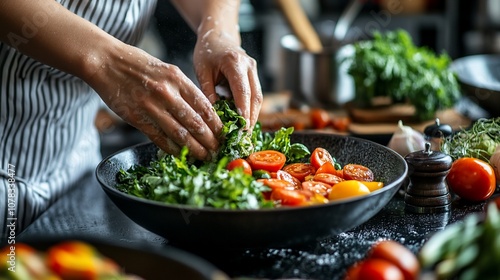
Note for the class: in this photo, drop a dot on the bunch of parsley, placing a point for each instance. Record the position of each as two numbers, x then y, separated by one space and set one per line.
391 65
179 180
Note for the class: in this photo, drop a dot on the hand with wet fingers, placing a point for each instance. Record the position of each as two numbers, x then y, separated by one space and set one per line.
220 61
159 100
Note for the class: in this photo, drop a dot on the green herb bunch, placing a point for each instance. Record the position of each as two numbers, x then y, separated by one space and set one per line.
478 141
391 65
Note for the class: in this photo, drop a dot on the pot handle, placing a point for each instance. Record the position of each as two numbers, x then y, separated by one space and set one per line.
300 24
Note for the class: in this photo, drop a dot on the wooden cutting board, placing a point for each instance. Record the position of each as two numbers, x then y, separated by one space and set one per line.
377 121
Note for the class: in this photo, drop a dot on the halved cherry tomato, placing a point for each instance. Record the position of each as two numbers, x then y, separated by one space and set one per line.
289 197
274 184
379 269
397 254
327 178
240 163
269 160
317 187
472 179
300 170
283 175
348 188
320 156
357 172
319 118
327 167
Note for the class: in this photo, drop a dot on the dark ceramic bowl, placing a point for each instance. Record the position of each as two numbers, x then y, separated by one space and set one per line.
207 227
479 77
143 259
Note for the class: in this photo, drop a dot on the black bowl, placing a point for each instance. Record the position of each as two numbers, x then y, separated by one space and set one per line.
186 226
141 259
479 77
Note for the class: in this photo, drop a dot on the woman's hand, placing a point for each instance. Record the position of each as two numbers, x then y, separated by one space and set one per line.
159 100
220 61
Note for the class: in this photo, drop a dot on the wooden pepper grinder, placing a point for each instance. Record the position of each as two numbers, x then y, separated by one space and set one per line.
428 191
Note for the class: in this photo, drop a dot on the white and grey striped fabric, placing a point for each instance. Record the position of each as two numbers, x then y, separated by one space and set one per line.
47 135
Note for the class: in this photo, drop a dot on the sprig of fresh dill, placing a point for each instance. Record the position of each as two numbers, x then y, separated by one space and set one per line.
478 141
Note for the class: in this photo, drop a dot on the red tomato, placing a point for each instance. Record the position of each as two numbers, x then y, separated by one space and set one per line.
275 184
300 170
283 175
269 160
319 118
327 178
317 187
320 156
357 172
240 163
399 255
472 179
379 269
327 167
341 123
289 197
352 272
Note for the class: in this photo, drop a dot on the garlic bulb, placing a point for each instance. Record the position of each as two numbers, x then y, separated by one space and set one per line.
495 162
406 140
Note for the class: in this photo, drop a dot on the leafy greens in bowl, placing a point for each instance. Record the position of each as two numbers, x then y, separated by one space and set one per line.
177 180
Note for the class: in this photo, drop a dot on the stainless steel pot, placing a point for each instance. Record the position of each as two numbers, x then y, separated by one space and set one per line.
315 79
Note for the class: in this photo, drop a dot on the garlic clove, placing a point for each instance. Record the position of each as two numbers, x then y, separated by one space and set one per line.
406 140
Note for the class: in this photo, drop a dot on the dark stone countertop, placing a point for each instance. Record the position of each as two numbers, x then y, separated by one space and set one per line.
87 211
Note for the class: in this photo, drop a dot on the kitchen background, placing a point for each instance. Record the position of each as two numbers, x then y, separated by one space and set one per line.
457 27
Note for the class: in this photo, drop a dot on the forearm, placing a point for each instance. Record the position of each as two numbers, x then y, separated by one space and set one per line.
211 16
49 33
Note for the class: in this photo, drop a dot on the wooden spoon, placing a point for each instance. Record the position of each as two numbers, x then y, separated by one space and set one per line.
300 24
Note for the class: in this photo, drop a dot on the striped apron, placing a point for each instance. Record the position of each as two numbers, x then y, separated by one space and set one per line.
47 134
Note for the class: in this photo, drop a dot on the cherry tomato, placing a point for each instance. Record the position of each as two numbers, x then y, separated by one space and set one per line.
289 197
317 187
357 172
319 118
472 179
327 178
327 167
397 254
341 123
300 170
320 156
348 188
240 163
379 269
269 160
283 175
273 184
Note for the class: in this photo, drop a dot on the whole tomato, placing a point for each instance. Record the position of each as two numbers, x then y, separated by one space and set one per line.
319 118
471 179
374 269
397 254
240 163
